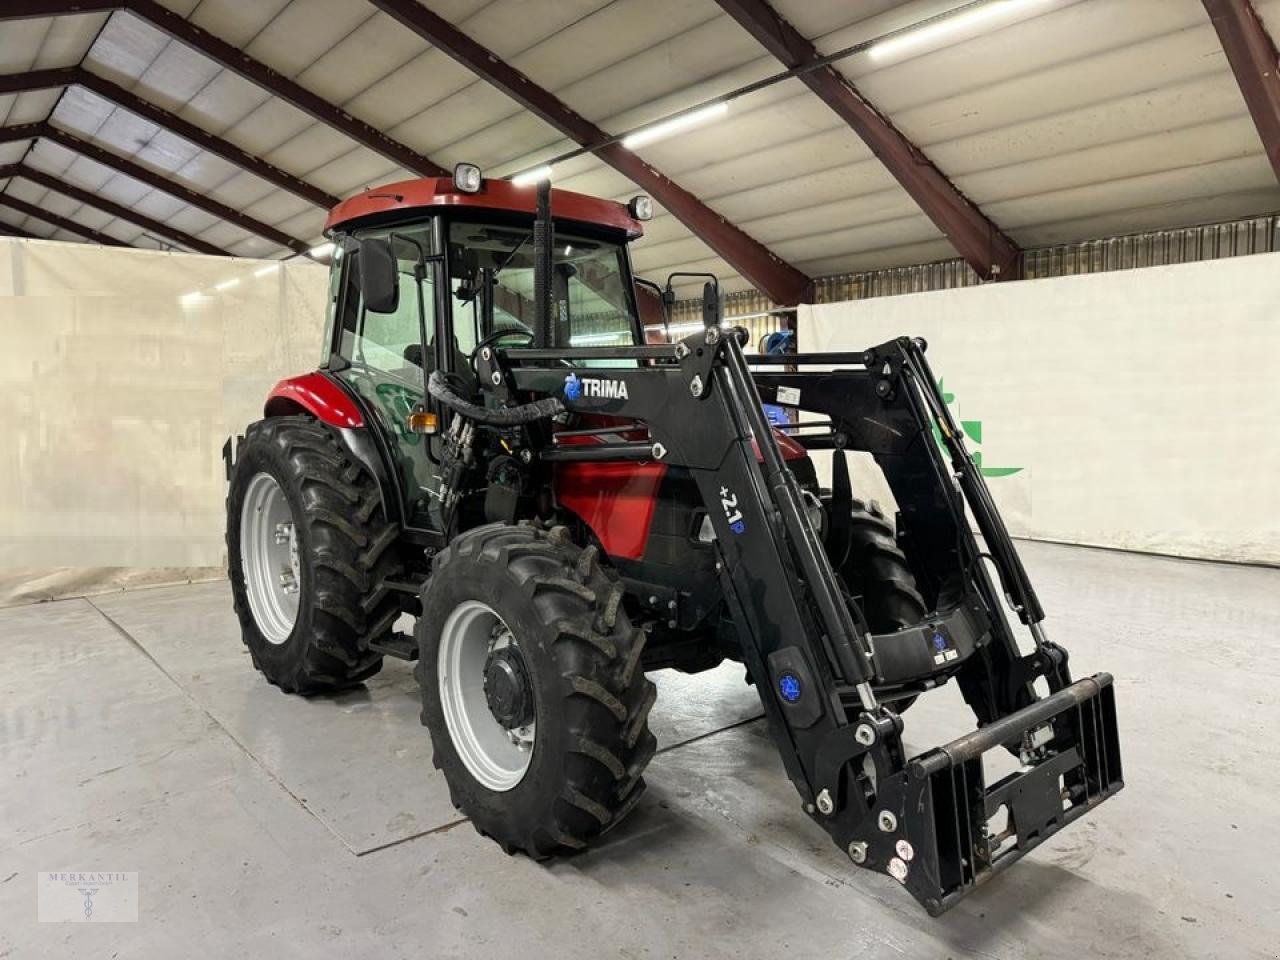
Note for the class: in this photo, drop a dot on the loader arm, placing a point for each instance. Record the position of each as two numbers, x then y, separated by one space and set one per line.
923 820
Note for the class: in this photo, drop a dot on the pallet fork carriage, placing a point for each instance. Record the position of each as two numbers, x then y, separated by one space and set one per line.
564 515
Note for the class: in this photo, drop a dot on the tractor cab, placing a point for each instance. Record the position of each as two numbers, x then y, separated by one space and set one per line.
426 273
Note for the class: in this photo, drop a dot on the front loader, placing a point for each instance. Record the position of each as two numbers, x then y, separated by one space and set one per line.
492 447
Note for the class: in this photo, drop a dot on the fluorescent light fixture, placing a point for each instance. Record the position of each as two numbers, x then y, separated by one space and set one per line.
674 125
530 177
323 250
677 329
191 299
598 340
269 268
913 39
226 284
568 249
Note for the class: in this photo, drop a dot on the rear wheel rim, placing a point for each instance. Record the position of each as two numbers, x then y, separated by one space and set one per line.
497 757
269 558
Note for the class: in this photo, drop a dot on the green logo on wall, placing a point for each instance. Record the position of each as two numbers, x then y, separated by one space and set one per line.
973 430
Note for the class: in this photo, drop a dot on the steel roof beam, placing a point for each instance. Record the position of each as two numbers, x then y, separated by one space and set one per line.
88 198
152 179
80 77
1252 55
8 230
62 223
232 58
28 9
21 131
776 278
991 254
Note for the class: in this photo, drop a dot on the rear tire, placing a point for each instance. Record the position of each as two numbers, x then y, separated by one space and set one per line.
878 572
296 472
580 656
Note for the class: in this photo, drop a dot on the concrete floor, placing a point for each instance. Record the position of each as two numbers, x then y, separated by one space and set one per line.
134 735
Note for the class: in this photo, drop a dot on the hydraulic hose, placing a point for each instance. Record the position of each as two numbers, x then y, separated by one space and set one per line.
544 409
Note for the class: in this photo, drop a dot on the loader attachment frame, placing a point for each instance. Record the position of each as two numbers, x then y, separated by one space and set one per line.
818 669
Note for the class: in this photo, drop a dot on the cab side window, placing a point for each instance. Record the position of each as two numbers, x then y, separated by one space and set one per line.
391 342
389 358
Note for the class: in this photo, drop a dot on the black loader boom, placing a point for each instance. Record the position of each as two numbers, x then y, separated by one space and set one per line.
924 820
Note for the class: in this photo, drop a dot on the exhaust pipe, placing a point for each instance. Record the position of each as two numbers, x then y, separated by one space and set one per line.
544 239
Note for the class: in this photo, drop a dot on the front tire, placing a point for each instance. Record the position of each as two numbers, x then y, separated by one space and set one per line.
307 547
578 705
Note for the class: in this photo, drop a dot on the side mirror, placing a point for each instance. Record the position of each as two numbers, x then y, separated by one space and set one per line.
379 276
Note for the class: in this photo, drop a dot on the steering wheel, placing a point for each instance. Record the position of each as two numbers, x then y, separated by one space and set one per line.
498 335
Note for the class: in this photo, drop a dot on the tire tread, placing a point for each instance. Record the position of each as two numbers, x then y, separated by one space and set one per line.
606 698
353 548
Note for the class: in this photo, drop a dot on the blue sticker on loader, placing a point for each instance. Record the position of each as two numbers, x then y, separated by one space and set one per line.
731 512
789 687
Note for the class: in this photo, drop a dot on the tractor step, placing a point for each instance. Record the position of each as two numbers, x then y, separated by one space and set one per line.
413 587
398 645
408 592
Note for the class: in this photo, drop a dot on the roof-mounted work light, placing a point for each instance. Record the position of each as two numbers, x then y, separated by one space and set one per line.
641 207
466 178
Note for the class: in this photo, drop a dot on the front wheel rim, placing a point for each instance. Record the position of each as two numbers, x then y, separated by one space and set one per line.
269 558
497 757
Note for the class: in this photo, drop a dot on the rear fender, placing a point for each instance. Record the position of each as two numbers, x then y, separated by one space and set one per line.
328 400
317 394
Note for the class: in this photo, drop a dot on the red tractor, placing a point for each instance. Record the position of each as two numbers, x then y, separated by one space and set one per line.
491 446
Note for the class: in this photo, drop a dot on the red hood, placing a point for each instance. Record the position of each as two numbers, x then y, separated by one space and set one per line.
791 448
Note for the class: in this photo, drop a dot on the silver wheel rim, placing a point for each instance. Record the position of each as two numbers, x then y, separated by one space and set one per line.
498 758
269 558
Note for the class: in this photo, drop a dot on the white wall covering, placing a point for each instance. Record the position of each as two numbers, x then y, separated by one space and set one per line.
1141 406
123 372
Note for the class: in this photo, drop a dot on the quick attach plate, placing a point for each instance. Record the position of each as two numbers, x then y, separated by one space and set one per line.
930 826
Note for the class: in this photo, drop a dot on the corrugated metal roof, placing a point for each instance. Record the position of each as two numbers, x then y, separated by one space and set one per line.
1075 119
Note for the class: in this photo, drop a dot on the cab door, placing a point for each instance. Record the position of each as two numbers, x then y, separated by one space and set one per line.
387 359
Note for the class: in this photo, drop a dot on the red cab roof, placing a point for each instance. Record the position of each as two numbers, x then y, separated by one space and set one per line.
494 195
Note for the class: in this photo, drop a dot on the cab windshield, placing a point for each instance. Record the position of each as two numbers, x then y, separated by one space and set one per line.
491 280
